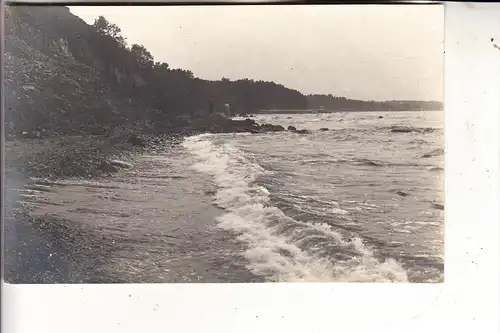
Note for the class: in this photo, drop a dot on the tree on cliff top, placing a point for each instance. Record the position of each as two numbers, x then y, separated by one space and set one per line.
178 90
143 57
110 29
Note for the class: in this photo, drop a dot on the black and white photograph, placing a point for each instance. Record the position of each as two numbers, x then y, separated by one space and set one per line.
224 144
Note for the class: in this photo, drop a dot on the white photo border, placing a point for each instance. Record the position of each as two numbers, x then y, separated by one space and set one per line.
468 299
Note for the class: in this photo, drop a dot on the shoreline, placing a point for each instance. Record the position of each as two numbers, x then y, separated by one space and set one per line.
45 248
41 249
81 157
320 111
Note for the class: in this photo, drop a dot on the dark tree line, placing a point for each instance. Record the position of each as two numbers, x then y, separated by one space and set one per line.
335 103
178 91
132 72
152 89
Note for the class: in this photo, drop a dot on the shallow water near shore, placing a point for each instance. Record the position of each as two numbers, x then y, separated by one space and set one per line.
355 203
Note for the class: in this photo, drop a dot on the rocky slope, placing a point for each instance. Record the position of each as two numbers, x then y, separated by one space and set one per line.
48 90
65 77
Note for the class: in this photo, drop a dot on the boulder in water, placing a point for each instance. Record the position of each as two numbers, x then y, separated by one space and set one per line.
292 128
369 162
302 131
219 123
402 129
409 129
272 128
435 152
438 206
324 129
239 126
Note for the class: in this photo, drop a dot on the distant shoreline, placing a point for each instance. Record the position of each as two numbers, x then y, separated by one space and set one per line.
313 111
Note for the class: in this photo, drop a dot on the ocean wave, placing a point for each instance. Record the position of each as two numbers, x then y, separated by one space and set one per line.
358 162
277 246
409 129
390 129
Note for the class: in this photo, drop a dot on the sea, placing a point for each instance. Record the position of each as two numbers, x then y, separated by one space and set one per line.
359 202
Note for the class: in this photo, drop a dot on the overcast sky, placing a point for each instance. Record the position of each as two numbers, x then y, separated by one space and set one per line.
377 52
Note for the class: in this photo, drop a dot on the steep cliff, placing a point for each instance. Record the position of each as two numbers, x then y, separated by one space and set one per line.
54 80
64 76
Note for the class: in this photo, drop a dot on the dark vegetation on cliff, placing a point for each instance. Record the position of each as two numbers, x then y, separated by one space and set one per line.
63 76
67 77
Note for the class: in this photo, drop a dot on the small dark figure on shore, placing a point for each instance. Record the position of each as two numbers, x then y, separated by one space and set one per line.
211 106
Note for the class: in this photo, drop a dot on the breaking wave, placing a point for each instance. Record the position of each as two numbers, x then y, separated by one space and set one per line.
278 247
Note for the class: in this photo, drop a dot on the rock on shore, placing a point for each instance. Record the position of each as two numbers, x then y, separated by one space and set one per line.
220 124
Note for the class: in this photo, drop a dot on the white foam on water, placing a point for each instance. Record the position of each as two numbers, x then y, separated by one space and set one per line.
320 211
427 223
402 231
270 253
121 163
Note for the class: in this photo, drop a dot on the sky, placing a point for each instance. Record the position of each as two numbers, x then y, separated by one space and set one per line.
369 52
